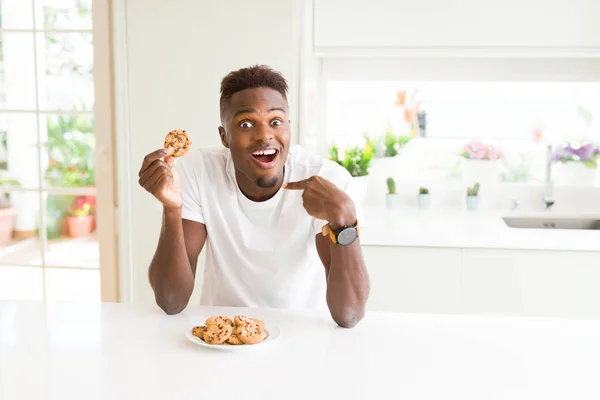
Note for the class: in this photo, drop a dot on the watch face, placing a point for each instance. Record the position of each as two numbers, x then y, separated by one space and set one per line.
347 236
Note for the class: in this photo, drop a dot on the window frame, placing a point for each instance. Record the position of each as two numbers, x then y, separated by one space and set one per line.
104 128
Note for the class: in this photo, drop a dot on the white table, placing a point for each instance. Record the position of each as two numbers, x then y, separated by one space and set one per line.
117 351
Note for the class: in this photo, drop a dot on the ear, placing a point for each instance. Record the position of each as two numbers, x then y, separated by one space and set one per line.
223 136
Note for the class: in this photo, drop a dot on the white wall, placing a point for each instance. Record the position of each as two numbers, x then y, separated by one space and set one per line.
519 26
176 54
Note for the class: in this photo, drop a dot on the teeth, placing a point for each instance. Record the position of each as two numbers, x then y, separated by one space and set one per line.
264 152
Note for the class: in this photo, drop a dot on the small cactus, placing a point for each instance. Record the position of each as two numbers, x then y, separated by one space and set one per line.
391 184
423 190
473 190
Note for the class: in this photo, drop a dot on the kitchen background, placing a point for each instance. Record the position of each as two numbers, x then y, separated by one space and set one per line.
442 111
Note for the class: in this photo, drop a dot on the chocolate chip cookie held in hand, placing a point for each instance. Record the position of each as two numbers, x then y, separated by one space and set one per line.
179 142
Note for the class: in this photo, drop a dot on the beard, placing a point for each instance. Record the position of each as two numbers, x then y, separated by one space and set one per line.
268 183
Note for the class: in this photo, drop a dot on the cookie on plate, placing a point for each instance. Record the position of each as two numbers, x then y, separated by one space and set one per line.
218 333
263 335
234 339
249 333
179 142
243 320
219 319
199 331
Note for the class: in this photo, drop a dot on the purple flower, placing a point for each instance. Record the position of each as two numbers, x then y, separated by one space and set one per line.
585 153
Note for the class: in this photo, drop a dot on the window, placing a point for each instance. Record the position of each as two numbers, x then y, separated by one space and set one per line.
432 121
463 110
48 212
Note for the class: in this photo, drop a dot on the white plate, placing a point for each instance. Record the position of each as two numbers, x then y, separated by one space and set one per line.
273 333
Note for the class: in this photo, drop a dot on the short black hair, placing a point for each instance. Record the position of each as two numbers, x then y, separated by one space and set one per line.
249 78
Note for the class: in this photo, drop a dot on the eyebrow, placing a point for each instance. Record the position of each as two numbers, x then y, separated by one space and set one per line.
252 110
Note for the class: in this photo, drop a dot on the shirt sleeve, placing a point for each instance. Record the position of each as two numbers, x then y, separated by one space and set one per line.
190 189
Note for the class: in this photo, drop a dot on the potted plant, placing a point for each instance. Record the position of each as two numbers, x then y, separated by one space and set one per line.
80 223
403 140
392 199
7 212
480 161
357 161
376 144
424 198
390 143
579 163
71 147
473 197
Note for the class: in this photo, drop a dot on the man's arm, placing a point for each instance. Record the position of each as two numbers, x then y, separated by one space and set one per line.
173 267
345 270
347 280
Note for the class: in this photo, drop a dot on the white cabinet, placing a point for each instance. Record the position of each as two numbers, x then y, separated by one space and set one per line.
424 24
531 283
407 279
484 281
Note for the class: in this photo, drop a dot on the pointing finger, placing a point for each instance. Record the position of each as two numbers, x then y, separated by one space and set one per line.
299 185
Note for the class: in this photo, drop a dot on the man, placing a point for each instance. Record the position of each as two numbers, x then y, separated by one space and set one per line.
261 207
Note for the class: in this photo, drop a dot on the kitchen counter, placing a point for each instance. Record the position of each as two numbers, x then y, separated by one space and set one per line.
118 351
480 229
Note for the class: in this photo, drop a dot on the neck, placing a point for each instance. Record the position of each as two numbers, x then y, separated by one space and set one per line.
254 192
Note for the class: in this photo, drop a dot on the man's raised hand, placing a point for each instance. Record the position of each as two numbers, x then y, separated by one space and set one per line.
160 178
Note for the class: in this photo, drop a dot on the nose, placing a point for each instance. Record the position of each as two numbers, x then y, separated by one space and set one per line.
264 133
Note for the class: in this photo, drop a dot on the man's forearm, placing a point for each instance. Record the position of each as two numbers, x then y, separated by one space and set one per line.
347 284
170 273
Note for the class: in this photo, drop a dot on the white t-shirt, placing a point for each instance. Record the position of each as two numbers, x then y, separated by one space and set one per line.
258 254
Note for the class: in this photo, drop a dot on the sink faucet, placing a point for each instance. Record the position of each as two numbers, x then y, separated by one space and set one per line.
515 204
548 184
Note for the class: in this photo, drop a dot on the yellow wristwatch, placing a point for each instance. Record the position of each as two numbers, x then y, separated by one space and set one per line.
345 236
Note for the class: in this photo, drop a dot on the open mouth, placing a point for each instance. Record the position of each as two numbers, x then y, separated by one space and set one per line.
265 158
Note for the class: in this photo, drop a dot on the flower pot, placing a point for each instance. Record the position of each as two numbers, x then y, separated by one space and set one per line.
392 200
472 203
483 171
7 224
424 201
576 174
79 226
